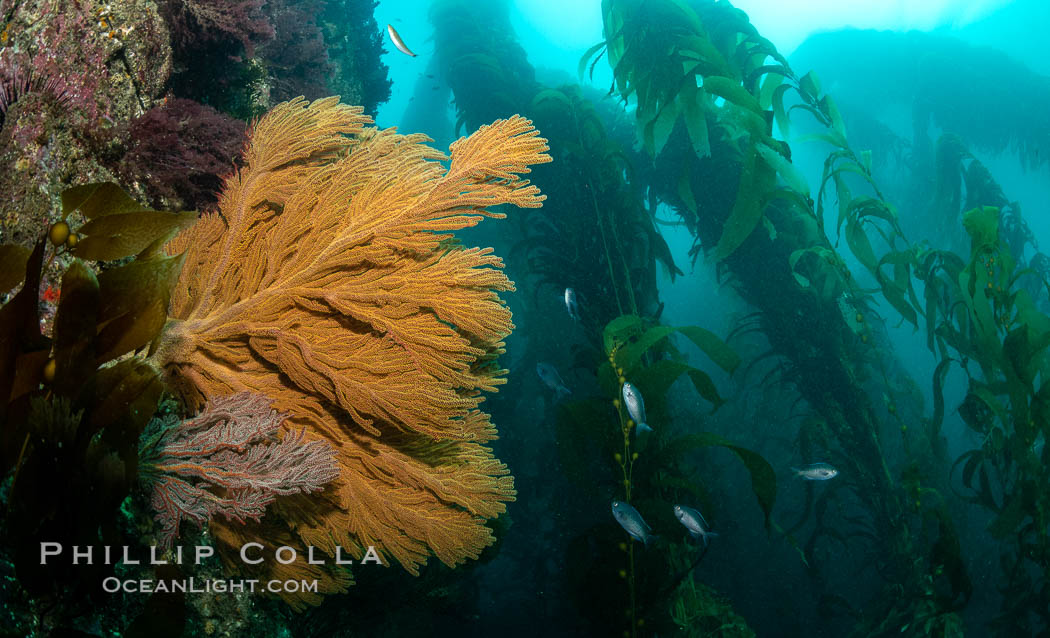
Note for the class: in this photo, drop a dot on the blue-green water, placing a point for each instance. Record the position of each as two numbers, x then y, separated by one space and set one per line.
775 361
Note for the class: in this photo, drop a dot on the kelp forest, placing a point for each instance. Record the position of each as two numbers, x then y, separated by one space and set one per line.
823 271
428 346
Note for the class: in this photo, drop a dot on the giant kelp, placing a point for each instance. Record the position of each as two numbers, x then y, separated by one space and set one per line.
980 313
984 284
599 238
596 234
602 452
964 183
986 316
985 322
74 403
708 87
481 60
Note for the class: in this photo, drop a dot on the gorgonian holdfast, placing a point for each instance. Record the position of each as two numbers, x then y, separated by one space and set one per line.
228 460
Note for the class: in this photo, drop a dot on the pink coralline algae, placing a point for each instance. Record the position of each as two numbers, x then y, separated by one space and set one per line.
228 460
69 34
72 72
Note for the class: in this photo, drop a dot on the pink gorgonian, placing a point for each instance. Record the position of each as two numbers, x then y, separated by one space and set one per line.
229 460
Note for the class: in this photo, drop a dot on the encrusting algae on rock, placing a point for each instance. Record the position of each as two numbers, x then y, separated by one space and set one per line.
330 282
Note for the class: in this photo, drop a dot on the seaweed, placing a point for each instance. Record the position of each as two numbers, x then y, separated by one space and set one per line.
180 151
481 61
355 47
596 235
243 57
708 89
986 321
601 451
75 404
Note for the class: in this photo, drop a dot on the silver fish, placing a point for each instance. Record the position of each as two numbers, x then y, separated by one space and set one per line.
632 398
694 522
395 37
631 521
550 377
571 304
816 472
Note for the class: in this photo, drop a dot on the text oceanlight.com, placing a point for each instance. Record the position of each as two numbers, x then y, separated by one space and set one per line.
191 585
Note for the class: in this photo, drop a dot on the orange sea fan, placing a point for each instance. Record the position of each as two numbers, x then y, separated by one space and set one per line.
329 281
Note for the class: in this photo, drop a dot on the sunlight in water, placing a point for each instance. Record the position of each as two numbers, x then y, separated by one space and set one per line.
568 24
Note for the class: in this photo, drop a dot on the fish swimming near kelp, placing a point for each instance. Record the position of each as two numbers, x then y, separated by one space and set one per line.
549 376
632 522
571 304
632 399
816 472
395 37
694 521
